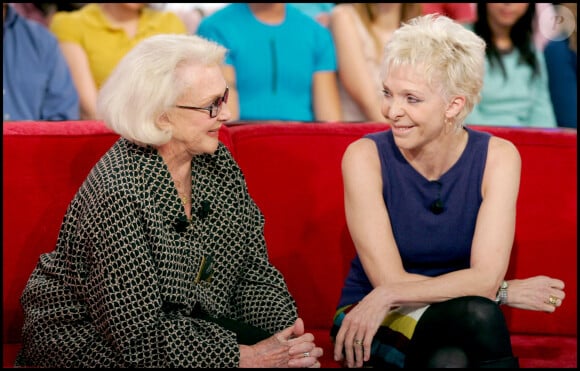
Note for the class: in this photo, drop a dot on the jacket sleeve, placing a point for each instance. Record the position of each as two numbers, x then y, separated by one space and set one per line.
262 296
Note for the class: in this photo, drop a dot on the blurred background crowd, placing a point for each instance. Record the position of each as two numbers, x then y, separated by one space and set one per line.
309 62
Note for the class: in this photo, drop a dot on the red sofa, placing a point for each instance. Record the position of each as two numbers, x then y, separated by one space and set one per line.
293 174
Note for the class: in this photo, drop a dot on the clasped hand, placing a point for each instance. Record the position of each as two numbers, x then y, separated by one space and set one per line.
289 348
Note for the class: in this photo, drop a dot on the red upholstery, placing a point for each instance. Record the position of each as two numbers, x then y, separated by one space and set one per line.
293 174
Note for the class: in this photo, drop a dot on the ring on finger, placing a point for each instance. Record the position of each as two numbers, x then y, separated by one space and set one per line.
358 342
553 300
306 354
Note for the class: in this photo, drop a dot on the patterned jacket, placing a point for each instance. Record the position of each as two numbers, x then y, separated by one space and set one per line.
129 272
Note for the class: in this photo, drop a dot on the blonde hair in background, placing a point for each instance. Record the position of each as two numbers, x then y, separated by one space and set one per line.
146 83
451 57
367 12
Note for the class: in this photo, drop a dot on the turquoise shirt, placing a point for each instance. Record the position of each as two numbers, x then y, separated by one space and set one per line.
274 64
517 100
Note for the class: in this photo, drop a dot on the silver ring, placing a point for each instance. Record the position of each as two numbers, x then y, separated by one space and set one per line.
306 354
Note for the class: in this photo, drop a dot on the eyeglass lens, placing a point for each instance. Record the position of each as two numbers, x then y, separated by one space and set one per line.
217 105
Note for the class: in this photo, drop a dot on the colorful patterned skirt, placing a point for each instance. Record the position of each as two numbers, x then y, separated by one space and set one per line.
391 341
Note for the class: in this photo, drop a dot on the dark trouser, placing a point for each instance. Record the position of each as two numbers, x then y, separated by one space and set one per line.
469 331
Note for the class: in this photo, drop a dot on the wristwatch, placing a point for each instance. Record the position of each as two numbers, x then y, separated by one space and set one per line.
501 297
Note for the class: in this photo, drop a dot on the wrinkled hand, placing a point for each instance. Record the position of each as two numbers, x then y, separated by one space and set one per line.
533 293
289 348
360 325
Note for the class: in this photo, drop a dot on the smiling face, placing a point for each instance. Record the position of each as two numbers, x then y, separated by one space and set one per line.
415 109
194 131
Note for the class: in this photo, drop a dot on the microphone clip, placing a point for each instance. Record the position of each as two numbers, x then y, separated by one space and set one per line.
437 207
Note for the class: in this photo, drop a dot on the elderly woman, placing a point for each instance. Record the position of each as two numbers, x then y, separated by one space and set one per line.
431 207
161 259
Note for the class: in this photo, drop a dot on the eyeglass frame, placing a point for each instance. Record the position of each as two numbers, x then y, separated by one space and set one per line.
214 109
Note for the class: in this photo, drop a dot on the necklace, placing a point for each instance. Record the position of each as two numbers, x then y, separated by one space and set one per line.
182 196
184 199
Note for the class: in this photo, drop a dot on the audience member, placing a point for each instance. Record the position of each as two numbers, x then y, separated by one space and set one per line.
153 266
281 64
36 80
515 90
95 37
562 65
460 12
360 30
420 200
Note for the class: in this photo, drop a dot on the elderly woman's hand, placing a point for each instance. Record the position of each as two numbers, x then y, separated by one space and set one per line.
290 348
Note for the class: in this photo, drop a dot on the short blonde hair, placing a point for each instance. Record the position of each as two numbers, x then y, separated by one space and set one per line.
145 84
451 56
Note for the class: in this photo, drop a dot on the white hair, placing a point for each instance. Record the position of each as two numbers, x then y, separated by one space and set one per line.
145 84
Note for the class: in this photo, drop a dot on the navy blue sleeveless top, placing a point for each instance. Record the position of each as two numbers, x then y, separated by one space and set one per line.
431 240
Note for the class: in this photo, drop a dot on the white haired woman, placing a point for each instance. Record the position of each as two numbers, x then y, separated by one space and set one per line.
161 259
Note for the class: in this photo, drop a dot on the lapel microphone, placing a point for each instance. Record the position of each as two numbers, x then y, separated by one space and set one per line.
437 206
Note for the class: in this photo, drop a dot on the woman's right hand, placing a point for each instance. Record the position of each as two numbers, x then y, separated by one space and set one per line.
289 348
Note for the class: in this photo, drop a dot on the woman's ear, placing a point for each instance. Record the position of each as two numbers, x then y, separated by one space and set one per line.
455 106
163 122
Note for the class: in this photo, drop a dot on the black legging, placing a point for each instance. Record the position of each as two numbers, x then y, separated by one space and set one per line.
468 331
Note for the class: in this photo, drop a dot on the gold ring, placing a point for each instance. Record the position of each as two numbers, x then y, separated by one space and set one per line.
553 300
358 342
306 354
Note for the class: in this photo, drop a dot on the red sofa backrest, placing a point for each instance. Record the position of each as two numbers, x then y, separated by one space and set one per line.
293 174
44 164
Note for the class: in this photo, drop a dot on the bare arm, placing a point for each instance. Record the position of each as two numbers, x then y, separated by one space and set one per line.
370 227
371 231
353 72
86 87
325 97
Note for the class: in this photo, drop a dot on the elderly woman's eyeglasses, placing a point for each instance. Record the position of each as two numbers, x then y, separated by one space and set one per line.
215 108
